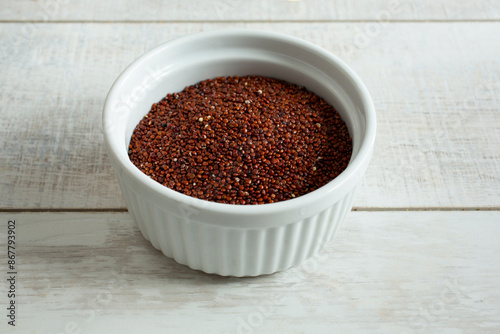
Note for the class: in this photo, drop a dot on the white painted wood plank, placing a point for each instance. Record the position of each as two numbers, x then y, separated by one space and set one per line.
239 10
436 88
385 272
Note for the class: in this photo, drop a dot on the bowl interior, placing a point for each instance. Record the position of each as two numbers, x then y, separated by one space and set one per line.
179 63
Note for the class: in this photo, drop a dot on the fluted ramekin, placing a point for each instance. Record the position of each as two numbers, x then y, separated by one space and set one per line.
236 240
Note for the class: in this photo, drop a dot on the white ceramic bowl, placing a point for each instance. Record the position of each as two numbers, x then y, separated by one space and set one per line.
236 240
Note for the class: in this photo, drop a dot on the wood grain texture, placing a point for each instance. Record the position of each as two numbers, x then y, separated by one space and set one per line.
436 88
239 10
385 272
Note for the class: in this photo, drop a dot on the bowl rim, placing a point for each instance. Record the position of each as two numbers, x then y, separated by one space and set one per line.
355 167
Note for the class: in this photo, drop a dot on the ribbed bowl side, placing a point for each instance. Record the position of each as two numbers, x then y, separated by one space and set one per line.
235 251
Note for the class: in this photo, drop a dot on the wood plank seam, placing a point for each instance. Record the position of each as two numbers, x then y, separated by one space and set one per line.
249 21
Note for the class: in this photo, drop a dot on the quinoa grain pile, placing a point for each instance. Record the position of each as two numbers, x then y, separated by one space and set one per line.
242 140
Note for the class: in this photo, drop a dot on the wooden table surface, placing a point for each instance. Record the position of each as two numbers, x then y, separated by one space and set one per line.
418 254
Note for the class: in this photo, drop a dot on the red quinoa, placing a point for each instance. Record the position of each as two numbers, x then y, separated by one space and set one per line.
242 140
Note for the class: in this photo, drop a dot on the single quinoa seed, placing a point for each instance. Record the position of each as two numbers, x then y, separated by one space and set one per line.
255 140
